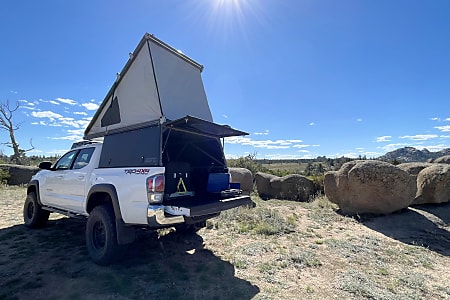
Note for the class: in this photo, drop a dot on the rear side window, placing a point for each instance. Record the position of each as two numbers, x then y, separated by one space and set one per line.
83 158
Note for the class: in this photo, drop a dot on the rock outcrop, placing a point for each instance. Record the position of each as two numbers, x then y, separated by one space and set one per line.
414 168
263 187
244 177
290 187
433 184
442 160
19 174
369 187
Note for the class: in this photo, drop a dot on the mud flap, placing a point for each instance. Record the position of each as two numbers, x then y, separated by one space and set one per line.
125 234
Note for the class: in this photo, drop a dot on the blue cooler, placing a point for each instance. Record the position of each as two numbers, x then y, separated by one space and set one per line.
218 182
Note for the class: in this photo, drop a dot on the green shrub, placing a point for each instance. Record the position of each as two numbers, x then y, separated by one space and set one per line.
247 162
4 176
262 221
318 182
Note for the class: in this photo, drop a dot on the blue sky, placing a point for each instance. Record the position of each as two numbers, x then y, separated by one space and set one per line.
304 78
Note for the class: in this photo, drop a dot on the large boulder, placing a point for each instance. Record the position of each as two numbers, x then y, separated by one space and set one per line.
414 168
442 160
335 183
244 177
263 187
433 184
292 187
19 174
369 187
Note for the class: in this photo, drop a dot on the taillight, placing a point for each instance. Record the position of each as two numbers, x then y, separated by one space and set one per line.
159 184
155 188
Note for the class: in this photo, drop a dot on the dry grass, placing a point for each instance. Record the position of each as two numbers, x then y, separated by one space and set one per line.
276 250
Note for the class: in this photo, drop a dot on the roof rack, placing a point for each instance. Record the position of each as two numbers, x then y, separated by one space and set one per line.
83 143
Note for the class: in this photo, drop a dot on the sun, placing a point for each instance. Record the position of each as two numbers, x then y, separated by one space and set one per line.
233 16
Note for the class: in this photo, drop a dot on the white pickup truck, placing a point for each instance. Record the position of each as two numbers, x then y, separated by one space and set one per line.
152 157
118 200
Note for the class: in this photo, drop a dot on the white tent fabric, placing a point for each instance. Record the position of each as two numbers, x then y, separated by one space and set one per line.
156 82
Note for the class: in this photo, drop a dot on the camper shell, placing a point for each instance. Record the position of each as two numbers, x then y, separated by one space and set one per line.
156 114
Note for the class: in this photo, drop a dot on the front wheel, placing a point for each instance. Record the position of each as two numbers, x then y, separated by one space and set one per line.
101 236
33 214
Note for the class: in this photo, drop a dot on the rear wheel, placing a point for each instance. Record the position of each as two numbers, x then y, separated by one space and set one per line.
101 236
33 214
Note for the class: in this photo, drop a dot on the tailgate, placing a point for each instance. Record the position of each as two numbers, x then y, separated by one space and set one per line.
192 209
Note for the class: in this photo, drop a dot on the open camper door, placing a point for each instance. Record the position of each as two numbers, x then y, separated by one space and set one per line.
158 83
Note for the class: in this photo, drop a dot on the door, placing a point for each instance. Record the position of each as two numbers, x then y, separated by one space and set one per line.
65 186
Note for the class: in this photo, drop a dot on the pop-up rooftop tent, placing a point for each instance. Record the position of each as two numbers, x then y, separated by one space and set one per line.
158 85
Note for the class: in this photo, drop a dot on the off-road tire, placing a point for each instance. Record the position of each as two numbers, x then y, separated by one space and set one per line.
101 236
33 214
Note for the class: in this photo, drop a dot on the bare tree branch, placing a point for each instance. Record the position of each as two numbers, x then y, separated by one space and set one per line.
6 123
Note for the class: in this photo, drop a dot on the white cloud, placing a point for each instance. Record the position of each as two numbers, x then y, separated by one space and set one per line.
435 148
445 128
27 104
448 119
82 113
90 106
359 120
13 92
267 144
66 101
301 146
372 154
73 135
54 102
225 116
420 137
391 147
385 138
57 120
287 156
29 107
350 155
312 124
265 132
46 114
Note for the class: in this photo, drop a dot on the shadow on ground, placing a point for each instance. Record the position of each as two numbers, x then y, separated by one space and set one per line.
422 225
52 262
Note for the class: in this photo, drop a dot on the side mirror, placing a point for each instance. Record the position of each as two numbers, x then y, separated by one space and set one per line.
46 165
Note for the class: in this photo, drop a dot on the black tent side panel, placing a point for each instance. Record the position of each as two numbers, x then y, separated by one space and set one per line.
134 148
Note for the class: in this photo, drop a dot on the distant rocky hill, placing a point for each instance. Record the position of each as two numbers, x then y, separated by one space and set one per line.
410 154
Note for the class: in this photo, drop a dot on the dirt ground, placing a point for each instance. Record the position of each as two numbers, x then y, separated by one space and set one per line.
276 250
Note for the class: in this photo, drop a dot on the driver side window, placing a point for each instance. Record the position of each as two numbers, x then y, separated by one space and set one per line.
65 162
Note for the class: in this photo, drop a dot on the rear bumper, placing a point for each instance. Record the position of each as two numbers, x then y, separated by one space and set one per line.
166 215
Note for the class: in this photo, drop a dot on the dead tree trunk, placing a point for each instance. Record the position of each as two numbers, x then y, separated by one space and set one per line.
6 123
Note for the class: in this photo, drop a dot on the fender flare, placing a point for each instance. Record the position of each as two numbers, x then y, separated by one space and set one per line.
35 183
125 234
